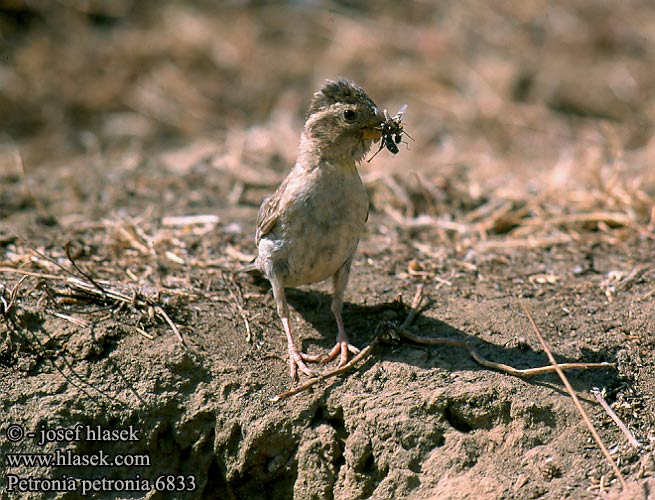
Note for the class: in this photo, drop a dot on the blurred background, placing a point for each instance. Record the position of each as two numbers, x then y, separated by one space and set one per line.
521 111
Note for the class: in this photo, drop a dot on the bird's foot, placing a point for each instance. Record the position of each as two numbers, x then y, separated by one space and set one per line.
297 362
340 349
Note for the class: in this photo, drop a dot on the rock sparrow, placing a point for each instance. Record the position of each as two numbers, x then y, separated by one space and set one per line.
309 229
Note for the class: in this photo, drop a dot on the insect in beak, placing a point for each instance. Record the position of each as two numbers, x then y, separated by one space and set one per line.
391 131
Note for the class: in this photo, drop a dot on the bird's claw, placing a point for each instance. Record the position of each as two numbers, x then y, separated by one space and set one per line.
297 362
340 349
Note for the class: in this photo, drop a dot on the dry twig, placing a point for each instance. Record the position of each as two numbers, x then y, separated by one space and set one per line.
416 302
624 428
237 295
6 306
106 292
332 373
576 401
99 289
526 372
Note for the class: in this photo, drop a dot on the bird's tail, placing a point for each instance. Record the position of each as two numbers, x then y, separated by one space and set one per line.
256 275
250 268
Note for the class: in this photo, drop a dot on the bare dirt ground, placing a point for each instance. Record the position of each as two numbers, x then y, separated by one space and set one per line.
530 183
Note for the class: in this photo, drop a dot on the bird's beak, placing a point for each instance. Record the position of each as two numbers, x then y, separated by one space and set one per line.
372 129
371 133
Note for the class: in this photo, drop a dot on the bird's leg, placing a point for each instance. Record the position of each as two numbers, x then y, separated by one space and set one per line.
341 348
295 356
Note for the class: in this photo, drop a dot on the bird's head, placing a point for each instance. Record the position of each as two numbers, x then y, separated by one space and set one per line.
342 122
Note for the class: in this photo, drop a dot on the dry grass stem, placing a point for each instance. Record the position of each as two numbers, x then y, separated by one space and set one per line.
7 306
89 287
45 276
160 310
190 220
531 242
576 401
429 221
624 428
103 289
72 319
141 331
647 295
414 307
238 301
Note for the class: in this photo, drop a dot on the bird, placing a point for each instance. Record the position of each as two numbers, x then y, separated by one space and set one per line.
309 229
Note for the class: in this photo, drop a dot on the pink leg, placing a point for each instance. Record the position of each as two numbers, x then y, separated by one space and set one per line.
341 348
295 356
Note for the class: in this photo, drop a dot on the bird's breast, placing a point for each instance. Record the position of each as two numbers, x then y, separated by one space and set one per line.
320 229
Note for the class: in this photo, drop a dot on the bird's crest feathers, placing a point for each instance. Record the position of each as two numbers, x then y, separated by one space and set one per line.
340 91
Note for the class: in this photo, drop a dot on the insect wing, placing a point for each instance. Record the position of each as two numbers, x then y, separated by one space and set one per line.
399 116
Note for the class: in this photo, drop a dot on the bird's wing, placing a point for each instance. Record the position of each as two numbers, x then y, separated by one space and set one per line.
269 212
266 217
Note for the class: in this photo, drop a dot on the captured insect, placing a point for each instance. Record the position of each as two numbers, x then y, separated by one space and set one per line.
392 131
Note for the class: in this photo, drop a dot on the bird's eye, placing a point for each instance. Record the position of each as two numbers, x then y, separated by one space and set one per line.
349 115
